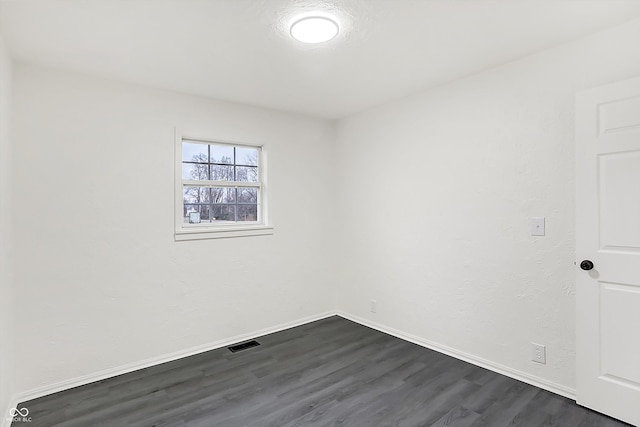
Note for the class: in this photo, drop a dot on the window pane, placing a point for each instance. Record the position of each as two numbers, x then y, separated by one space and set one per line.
246 156
247 212
195 171
223 195
224 212
222 154
192 152
203 210
248 195
221 173
230 165
196 195
246 174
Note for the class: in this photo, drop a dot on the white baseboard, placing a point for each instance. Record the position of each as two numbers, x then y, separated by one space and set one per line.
475 360
5 420
123 369
130 367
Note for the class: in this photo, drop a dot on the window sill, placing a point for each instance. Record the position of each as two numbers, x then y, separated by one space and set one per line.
222 233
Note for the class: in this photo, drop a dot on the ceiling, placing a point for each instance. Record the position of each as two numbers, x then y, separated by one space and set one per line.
240 50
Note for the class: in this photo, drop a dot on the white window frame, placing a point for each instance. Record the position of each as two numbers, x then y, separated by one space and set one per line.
211 230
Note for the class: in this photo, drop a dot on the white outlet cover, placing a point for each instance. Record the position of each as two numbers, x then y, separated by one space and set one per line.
537 226
538 353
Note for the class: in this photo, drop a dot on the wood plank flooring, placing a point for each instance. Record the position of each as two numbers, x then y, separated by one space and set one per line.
332 372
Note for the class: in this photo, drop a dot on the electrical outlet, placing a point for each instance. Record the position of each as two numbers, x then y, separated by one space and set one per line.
537 226
538 353
373 306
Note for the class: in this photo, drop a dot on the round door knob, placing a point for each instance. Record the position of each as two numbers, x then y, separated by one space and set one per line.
586 265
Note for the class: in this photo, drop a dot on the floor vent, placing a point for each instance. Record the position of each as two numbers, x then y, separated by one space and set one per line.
245 345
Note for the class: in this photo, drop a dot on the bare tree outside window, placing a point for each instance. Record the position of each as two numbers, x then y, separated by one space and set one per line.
221 182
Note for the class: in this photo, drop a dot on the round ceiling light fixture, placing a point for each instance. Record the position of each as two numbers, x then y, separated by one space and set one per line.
314 29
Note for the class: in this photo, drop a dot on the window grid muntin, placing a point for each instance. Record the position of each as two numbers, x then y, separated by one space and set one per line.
236 203
257 185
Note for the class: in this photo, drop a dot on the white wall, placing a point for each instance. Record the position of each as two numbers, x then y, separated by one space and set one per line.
441 239
100 281
6 299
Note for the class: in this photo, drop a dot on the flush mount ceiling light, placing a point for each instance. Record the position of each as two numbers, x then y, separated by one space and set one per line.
314 29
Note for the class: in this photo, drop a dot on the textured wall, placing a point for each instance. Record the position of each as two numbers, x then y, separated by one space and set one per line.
101 281
434 195
6 299
437 193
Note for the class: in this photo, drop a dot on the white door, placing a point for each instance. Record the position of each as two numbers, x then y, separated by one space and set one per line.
608 235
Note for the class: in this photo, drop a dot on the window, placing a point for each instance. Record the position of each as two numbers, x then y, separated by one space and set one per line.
220 190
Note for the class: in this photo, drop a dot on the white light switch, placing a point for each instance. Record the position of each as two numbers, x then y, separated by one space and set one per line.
537 226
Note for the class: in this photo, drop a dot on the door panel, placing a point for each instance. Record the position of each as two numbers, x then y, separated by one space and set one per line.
619 115
608 233
619 213
619 304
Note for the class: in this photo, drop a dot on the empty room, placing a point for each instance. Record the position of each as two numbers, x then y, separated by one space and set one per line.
319 213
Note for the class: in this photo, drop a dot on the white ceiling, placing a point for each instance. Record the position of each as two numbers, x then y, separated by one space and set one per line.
239 50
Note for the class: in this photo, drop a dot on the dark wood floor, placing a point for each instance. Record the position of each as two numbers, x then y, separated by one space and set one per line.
332 372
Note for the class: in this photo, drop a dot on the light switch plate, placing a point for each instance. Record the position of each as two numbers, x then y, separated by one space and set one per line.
537 226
